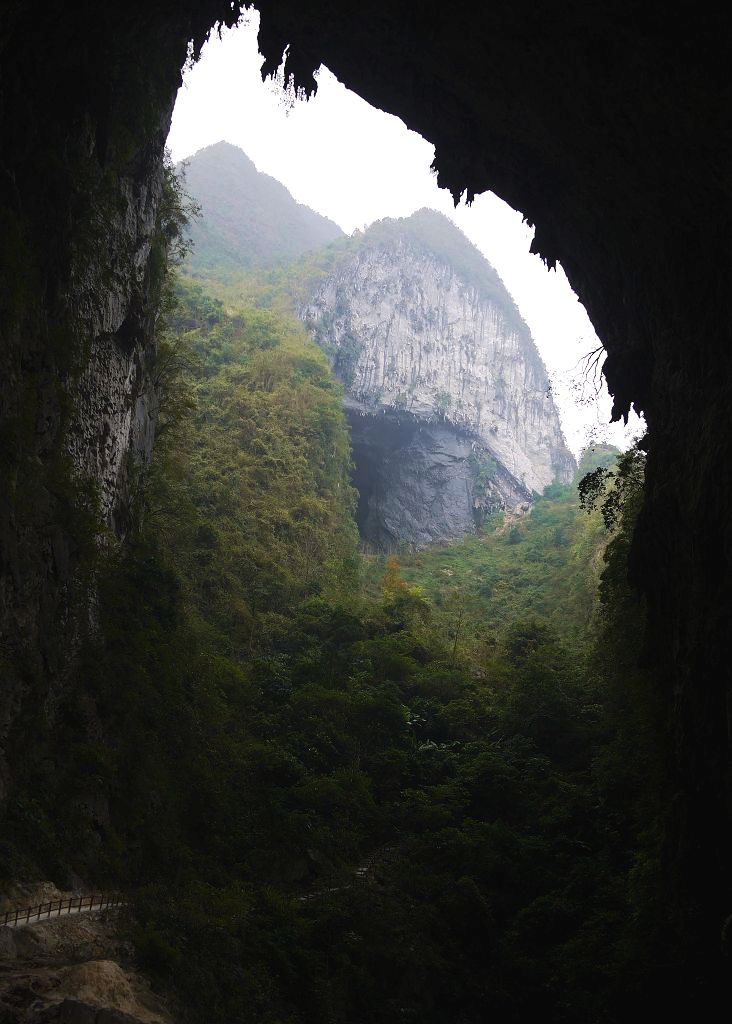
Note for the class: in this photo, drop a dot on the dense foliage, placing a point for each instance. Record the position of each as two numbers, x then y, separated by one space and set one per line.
407 798
517 566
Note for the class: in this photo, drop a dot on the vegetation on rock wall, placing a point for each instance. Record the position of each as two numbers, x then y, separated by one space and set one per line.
336 787
68 459
544 564
431 232
334 800
286 281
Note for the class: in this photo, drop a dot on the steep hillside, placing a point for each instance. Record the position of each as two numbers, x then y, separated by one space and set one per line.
327 802
430 345
247 218
544 565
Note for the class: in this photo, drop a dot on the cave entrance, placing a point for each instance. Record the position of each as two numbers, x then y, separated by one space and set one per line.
412 478
355 165
651 257
436 393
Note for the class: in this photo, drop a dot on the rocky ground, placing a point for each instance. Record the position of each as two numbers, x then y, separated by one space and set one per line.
74 970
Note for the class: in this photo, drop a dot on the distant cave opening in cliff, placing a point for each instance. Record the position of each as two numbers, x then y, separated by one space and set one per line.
440 745
459 390
457 415
365 477
412 480
478 448
422 482
355 165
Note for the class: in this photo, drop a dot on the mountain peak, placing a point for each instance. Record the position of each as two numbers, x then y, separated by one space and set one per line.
422 331
222 151
247 218
435 233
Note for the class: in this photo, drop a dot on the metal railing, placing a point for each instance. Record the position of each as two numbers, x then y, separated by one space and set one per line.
60 908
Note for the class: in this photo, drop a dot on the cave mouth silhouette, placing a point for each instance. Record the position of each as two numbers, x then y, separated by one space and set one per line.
301 145
607 124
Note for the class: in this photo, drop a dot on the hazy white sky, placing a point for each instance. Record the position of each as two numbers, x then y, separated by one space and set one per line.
356 164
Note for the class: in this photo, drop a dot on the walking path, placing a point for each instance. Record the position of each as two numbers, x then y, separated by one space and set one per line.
70 905
61 908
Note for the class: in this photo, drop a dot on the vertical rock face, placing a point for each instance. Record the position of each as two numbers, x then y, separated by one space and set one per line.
422 331
113 398
77 425
82 258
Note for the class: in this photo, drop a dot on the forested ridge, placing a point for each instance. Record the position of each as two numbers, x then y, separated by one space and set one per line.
248 218
342 788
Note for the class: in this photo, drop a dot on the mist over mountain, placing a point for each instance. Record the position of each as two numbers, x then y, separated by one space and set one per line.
247 218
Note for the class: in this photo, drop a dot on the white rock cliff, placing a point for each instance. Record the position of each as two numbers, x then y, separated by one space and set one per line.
409 330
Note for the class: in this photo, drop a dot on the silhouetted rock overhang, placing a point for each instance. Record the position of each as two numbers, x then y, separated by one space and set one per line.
605 124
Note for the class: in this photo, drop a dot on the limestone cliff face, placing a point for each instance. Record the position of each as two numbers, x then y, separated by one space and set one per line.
420 329
77 401
114 400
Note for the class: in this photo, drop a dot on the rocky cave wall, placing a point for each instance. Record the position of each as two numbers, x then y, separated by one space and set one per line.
86 95
606 124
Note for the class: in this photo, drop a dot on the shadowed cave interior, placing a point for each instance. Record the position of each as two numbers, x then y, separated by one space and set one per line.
416 481
606 125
